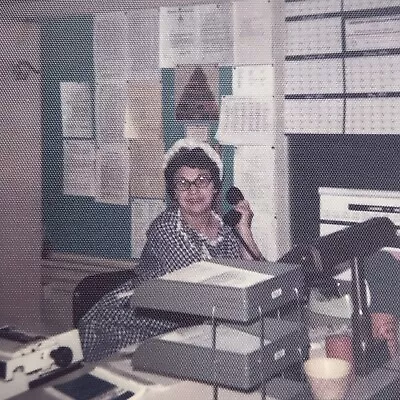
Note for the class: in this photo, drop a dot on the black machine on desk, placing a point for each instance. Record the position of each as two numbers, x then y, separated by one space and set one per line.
321 261
27 359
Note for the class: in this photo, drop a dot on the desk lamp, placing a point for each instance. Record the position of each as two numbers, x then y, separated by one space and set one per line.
321 260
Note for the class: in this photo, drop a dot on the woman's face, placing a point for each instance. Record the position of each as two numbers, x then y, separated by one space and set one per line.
194 190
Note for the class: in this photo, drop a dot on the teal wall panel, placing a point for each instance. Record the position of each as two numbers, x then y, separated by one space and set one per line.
73 224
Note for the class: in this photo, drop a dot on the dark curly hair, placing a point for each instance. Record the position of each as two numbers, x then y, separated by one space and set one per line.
193 158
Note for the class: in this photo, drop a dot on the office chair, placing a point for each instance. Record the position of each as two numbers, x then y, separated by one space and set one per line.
93 287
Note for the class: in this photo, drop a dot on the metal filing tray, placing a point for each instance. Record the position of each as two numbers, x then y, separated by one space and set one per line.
236 362
230 303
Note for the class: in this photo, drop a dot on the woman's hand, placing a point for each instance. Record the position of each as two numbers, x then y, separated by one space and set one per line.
243 207
243 227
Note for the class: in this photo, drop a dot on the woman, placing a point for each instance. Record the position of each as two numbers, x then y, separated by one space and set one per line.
189 230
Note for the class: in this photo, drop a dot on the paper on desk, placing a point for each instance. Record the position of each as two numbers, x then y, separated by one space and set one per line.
209 273
227 339
344 276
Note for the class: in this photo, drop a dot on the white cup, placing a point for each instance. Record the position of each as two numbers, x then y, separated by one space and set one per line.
329 378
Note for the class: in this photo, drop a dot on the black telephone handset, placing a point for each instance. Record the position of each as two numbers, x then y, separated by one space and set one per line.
233 196
232 218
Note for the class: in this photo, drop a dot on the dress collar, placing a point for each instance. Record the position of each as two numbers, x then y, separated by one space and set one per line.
184 230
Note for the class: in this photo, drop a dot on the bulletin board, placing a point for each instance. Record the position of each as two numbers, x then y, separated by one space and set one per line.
78 224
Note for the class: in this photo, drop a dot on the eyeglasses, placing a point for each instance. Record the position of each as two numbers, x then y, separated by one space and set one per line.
201 182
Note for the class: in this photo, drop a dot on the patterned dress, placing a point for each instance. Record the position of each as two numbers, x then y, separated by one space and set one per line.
112 323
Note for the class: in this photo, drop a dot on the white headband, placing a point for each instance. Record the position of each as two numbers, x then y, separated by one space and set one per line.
190 144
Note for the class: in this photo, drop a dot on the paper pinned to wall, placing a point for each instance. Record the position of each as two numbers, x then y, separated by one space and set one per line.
109 46
112 173
144 211
253 80
215 34
314 36
147 174
76 109
79 167
373 33
383 74
143 113
142 40
252 32
310 7
365 4
373 115
318 115
246 121
196 34
318 76
110 111
177 36
254 171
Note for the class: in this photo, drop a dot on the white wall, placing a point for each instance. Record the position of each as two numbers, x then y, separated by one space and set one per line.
20 175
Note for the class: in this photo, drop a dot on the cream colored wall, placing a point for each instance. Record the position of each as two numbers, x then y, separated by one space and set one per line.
20 175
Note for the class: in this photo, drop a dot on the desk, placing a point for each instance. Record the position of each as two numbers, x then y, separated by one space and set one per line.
175 388
383 383
380 384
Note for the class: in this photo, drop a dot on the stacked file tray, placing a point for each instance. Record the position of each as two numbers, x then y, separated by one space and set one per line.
239 347
232 290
